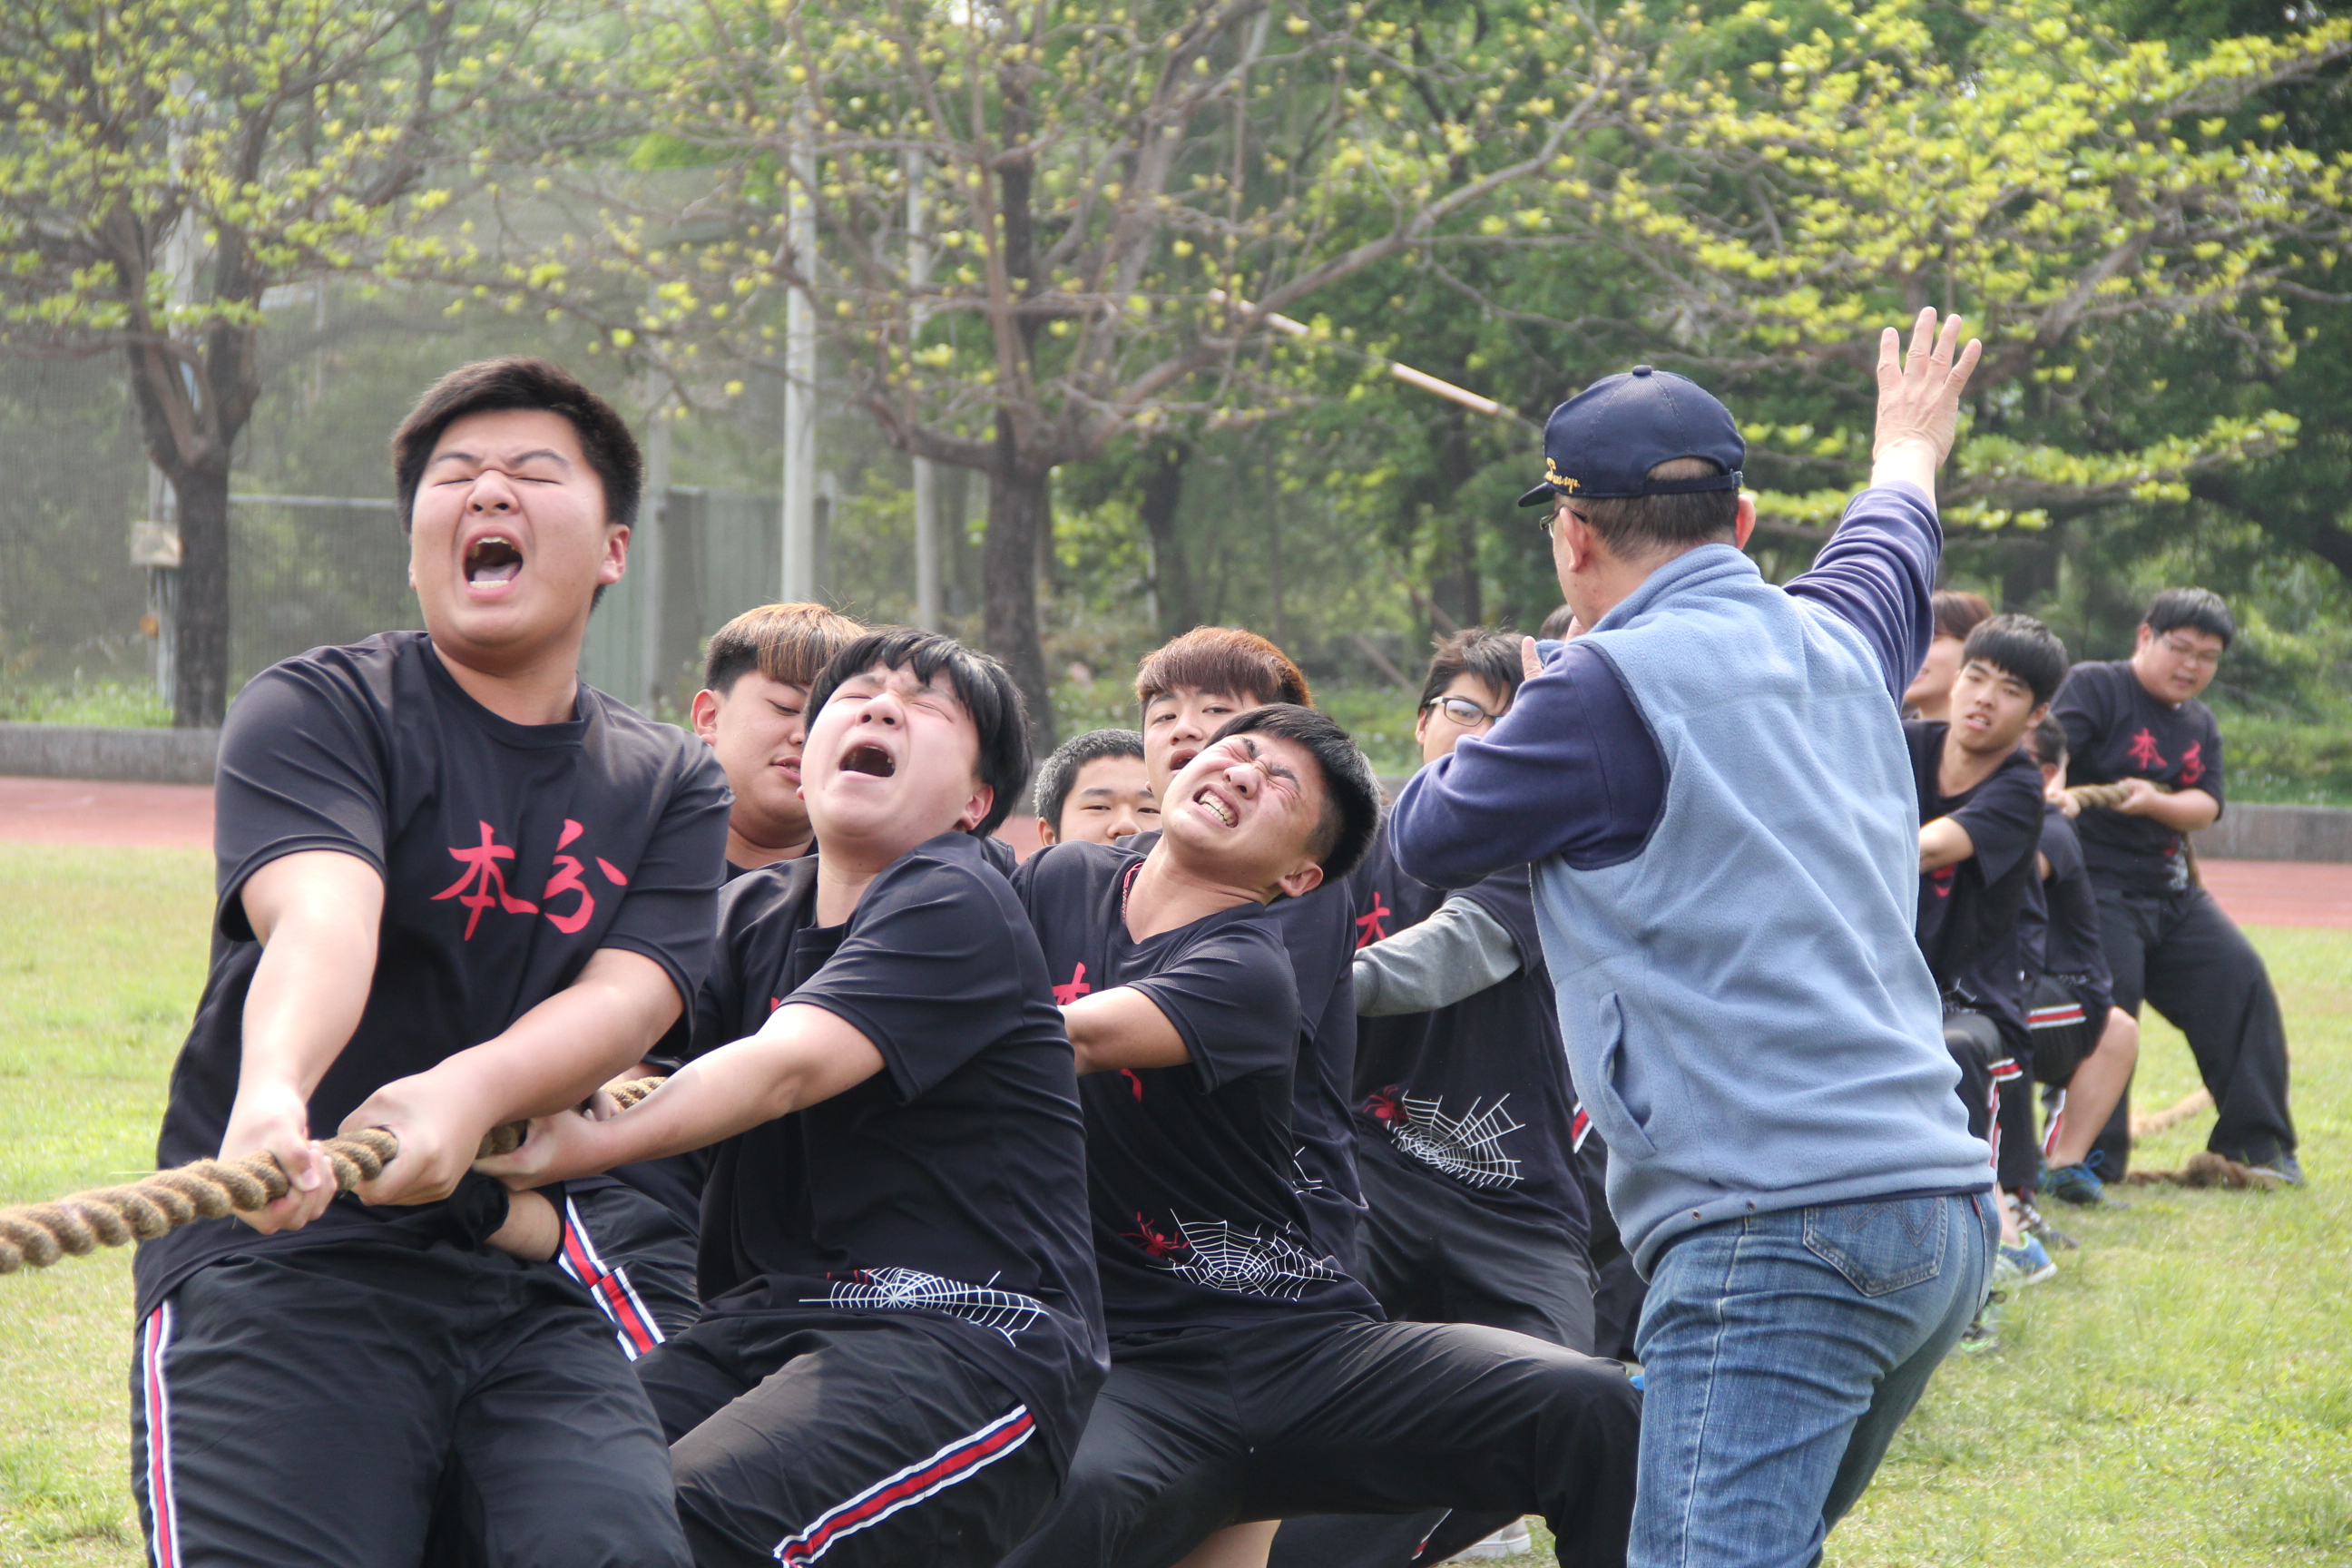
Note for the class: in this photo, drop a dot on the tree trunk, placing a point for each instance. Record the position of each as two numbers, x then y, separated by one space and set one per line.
200 647
1019 497
1162 489
1458 587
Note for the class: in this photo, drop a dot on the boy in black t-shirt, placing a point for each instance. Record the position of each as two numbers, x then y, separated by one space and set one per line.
903 1331
629 1236
2085 1047
1251 1377
457 887
1981 813
1187 689
2137 720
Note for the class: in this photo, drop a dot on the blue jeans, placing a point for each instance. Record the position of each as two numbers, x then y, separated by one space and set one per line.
1780 1354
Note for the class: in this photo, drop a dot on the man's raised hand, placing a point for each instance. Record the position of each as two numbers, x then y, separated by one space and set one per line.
1920 400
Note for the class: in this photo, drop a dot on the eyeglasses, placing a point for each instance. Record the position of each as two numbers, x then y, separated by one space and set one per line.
1462 711
1553 516
2207 657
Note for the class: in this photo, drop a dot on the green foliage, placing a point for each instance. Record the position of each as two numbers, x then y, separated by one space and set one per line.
88 702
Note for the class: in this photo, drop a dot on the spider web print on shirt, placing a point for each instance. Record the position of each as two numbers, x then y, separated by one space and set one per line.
896 1289
1467 1148
1216 1255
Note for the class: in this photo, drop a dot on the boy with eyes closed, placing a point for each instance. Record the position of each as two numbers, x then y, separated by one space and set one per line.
457 888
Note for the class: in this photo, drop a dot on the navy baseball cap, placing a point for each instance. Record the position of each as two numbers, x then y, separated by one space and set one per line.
1605 441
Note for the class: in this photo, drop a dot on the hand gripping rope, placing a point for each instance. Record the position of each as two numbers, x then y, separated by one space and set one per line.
40 1233
2091 797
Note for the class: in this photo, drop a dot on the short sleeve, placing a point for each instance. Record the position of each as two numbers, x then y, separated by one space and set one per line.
1232 997
928 972
2003 817
2080 709
302 767
2209 780
669 913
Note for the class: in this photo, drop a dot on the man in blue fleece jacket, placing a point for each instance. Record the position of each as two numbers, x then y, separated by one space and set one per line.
1713 789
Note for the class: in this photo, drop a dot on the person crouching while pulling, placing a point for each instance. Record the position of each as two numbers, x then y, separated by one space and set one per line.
1251 1377
902 1331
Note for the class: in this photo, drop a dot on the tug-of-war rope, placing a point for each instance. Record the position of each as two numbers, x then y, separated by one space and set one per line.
37 1235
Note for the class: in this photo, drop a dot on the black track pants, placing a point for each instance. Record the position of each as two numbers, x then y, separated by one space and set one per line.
2184 957
1434 1252
869 1444
1331 1413
635 1259
333 1407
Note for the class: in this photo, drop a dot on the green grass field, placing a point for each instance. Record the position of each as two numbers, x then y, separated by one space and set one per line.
2181 1395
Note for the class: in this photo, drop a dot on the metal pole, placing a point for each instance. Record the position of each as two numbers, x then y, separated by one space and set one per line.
927 478
800 368
645 558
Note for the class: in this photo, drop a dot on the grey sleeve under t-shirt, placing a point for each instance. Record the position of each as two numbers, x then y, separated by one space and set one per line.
1457 953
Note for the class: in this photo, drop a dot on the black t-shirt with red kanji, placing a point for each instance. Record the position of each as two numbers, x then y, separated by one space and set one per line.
1197 1217
1969 911
509 853
1475 1095
2115 730
945 1192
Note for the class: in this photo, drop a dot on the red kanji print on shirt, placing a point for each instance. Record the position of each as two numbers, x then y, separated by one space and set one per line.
2143 752
1941 879
486 878
485 882
2192 762
1065 994
1372 927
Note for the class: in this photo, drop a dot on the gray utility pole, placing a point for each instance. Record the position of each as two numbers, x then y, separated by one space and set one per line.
927 478
800 366
155 544
645 548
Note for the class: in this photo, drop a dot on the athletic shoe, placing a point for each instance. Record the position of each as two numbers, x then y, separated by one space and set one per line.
1511 1540
2027 1264
2077 1184
2285 1167
2039 1228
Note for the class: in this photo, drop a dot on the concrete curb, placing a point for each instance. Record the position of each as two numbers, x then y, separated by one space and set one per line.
118 754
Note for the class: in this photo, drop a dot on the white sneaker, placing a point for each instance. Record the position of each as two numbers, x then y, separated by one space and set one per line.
1511 1540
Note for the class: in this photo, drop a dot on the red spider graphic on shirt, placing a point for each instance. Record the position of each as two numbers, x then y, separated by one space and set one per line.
1153 1240
1386 1106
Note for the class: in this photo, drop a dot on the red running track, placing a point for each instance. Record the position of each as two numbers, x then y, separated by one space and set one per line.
71 811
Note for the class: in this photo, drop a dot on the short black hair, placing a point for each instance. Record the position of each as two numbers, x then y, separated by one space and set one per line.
1058 773
2199 609
2047 741
1226 660
1491 656
1556 626
1351 795
519 381
1635 525
1957 612
787 643
2021 647
985 687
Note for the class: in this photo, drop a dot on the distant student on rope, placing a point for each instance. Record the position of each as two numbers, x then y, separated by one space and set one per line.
902 1332
457 888
2166 942
1711 784
1955 613
2085 1047
1251 1377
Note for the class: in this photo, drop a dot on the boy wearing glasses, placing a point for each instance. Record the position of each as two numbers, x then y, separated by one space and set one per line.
2138 722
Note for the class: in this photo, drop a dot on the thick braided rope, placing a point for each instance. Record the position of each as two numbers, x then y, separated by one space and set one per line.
39 1234
2099 796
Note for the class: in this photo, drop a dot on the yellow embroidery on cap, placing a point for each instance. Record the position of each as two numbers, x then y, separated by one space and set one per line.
1553 476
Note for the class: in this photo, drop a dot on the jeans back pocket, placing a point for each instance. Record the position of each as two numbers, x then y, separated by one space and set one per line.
1881 1245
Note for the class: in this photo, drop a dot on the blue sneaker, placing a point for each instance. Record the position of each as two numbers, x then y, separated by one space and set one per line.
2026 1264
2077 1184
